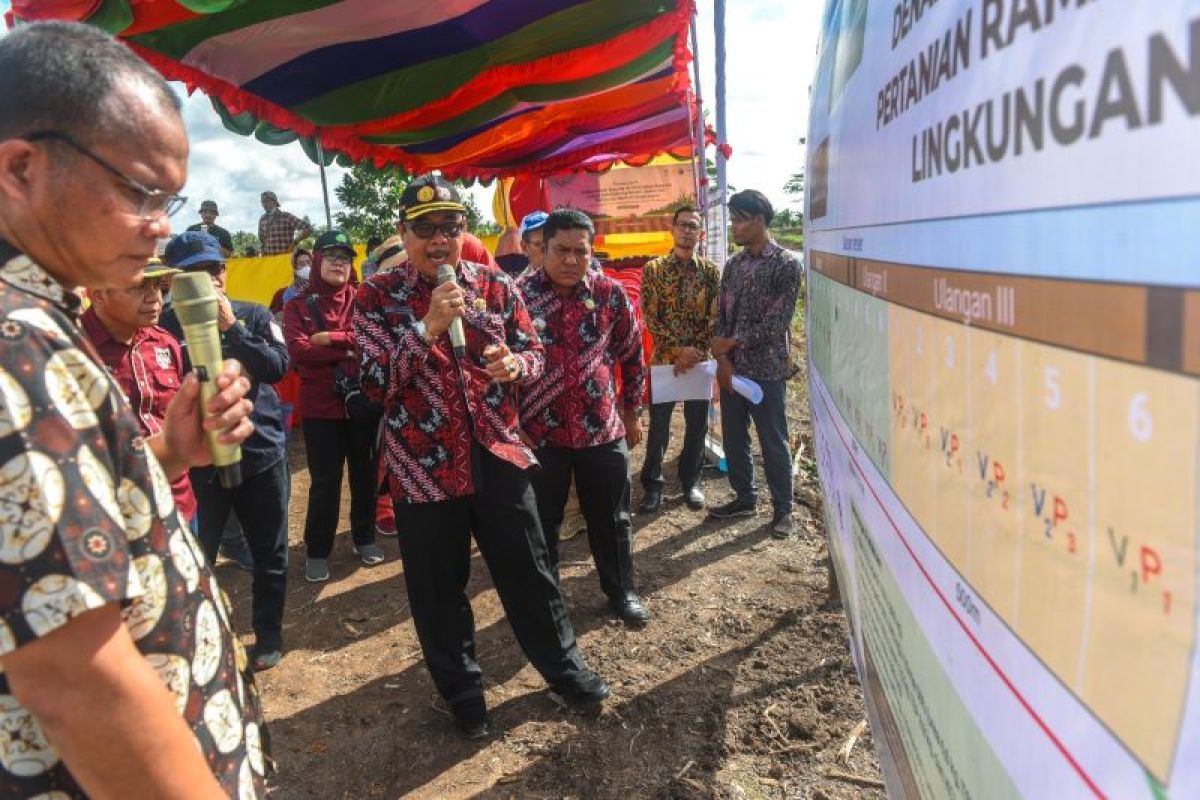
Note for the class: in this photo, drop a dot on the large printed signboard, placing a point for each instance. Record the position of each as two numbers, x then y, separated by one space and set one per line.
1003 233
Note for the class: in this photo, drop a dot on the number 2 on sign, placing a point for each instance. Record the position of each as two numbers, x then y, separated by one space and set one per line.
1053 392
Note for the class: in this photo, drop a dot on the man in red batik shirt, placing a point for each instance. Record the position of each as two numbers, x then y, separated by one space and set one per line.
573 414
142 358
455 461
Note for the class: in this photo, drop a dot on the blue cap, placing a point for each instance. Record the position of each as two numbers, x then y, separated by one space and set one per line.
532 222
191 248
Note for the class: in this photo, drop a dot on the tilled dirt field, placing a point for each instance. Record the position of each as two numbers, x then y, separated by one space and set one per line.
741 686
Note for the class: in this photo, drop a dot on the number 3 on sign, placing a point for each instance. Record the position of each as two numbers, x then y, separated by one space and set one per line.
1053 392
1141 424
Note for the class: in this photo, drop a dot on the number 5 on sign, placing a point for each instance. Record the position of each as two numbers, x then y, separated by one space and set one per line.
1053 392
1141 424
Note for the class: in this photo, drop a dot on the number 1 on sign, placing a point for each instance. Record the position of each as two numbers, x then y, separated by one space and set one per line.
991 368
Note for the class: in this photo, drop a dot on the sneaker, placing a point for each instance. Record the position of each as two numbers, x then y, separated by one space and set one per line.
371 554
734 508
316 570
386 527
239 553
694 498
265 659
587 692
783 525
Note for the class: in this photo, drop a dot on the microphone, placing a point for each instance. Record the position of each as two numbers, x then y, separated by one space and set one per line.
446 275
195 302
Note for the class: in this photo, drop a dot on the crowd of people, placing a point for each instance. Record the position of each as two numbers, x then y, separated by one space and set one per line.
462 406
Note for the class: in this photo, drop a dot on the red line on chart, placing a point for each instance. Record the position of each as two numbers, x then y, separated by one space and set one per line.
945 602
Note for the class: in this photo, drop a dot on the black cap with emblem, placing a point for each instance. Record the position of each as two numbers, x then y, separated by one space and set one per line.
426 194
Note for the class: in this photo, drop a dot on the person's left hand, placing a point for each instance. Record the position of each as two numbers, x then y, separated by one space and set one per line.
321 339
228 411
688 357
503 366
633 428
225 317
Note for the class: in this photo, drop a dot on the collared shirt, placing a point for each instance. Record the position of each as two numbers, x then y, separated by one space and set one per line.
277 231
149 371
679 304
435 405
587 334
758 300
87 519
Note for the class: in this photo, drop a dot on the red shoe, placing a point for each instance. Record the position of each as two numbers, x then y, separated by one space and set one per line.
385 518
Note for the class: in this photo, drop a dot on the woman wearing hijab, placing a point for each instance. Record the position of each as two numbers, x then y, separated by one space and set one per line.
340 425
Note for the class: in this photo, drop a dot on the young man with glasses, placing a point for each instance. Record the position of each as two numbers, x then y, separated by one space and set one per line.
679 307
456 464
121 674
249 334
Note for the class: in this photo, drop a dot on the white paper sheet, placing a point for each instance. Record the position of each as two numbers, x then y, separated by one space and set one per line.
695 384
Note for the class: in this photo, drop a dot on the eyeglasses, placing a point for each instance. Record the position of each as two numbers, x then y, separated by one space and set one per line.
338 255
688 226
153 203
425 230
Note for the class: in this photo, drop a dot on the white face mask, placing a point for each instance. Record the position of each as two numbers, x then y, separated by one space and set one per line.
302 273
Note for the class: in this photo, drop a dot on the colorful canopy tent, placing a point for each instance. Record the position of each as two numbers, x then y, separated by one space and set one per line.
475 88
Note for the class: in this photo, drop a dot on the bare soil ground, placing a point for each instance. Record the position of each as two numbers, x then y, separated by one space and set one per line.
741 686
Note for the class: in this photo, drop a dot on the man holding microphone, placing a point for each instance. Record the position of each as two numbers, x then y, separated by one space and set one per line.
455 462
121 675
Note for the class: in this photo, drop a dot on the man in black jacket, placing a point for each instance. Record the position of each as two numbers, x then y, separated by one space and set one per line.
250 335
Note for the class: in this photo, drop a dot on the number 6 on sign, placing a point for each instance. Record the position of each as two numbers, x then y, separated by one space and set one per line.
1053 393
1141 424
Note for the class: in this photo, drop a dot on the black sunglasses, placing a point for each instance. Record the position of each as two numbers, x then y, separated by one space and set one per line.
425 230
154 202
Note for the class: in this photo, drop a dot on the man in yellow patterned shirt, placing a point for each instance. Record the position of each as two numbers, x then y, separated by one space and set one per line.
679 305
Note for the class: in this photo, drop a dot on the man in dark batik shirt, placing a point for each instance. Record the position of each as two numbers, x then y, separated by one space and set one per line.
121 675
753 339
572 413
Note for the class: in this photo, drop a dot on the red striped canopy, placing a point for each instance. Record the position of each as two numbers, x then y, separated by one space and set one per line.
475 88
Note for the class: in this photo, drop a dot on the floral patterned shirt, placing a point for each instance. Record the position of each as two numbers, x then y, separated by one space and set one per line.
87 519
758 298
586 334
435 405
679 304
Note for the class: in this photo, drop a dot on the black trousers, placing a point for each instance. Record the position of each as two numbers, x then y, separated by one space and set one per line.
260 505
602 482
435 546
332 445
695 418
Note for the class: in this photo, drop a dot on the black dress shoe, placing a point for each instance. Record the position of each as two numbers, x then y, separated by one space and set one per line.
630 609
471 718
694 498
586 692
651 502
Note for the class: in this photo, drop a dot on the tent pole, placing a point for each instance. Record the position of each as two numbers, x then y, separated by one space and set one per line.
698 130
324 185
722 131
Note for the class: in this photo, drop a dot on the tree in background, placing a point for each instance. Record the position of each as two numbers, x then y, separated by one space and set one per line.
244 243
370 201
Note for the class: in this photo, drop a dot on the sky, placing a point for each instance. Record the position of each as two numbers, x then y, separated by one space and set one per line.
770 58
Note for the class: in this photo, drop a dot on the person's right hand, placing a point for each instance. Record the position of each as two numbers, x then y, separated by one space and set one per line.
687 358
725 374
446 303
